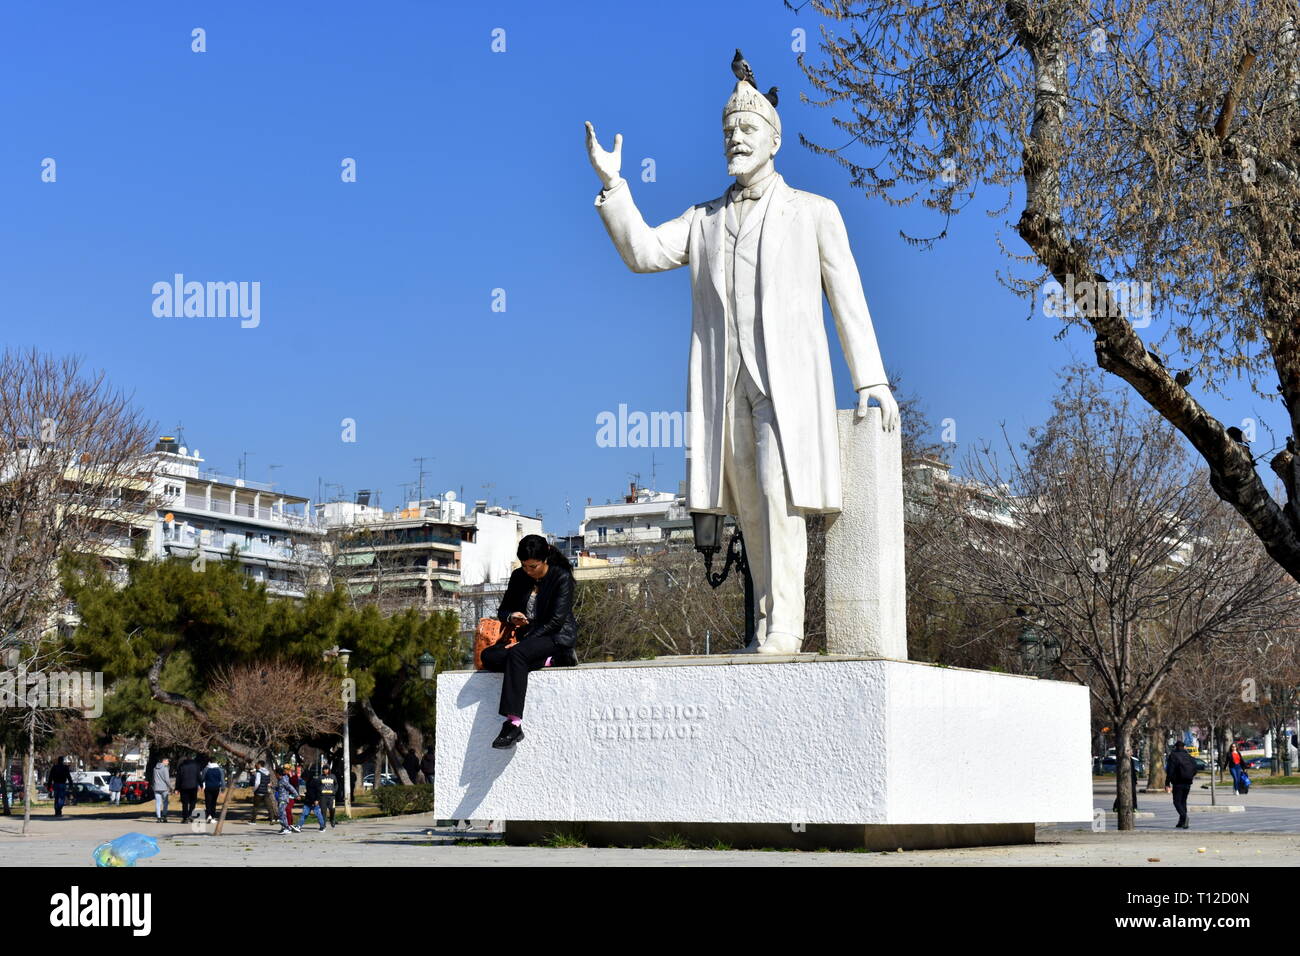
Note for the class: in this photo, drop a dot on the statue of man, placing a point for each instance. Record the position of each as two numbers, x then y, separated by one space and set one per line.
763 436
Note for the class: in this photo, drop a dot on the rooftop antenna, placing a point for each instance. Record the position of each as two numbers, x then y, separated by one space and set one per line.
271 469
243 464
653 481
421 462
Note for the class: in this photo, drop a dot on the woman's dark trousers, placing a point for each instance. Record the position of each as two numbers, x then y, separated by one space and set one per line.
515 663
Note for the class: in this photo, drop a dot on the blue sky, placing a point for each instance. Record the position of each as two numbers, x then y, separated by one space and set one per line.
376 296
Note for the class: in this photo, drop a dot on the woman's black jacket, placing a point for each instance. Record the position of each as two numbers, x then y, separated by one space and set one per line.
554 614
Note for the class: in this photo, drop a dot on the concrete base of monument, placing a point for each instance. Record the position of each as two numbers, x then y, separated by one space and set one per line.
757 750
783 836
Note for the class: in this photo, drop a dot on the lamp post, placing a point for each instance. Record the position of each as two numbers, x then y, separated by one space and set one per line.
343 654
707 531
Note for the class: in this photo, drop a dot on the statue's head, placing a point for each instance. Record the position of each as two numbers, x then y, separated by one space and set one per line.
751 130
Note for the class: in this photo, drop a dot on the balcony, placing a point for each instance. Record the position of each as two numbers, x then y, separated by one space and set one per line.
222 543
625 537
220 505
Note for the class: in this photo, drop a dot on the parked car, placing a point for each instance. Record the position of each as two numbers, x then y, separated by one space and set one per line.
1108 765
1259 763
1201 765
136 791
387 780
98 778
87 793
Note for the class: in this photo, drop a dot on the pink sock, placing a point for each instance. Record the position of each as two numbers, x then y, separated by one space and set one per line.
548 662
515 720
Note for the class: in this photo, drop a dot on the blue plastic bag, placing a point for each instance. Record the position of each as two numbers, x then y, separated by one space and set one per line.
125 850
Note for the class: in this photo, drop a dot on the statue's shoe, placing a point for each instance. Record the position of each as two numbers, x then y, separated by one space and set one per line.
777 642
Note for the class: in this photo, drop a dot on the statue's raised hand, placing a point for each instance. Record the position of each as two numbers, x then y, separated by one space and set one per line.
606 163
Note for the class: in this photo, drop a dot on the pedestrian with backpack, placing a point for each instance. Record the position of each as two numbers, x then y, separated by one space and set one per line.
263 795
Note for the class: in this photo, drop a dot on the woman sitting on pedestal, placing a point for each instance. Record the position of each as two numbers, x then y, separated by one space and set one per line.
537 610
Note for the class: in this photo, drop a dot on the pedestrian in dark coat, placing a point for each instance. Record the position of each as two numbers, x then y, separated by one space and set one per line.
188 774
214 781
1180 773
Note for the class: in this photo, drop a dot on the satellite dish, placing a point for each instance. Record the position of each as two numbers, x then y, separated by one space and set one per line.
183 451
450 496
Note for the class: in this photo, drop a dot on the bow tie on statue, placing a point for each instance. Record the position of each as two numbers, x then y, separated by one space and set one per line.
755 191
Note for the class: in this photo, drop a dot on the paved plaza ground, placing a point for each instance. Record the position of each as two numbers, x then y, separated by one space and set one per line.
1266 834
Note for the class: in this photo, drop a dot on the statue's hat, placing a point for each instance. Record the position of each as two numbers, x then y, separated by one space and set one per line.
745 98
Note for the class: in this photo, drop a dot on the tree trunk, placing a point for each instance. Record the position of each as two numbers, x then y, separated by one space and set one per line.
29 772
225 801
4 781
1214 768
391 745
1124 773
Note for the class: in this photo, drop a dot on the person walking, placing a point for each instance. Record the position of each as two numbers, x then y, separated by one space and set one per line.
263 796
214 781
1180 773
311 801
188 772
538 607
115 789
1237 767
285 793
427 764
58 782
162 788
329 785
295 778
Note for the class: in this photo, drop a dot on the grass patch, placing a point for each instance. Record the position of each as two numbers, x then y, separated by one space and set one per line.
563 839
671 841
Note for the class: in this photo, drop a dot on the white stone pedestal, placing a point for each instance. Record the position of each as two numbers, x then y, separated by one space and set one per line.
793 743
866 590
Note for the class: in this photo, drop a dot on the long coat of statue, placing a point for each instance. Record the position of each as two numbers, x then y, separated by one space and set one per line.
803 251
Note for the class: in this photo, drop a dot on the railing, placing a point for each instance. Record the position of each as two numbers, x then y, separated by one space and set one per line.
221 505
636 536
239 482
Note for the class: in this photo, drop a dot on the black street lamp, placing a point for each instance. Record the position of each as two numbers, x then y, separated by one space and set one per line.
707 529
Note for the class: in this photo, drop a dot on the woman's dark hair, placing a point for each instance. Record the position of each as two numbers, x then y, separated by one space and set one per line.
533 547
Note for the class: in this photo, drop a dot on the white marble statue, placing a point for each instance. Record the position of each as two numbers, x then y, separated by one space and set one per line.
764 441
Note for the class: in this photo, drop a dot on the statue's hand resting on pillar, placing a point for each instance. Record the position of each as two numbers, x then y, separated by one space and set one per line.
606 163
882 394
